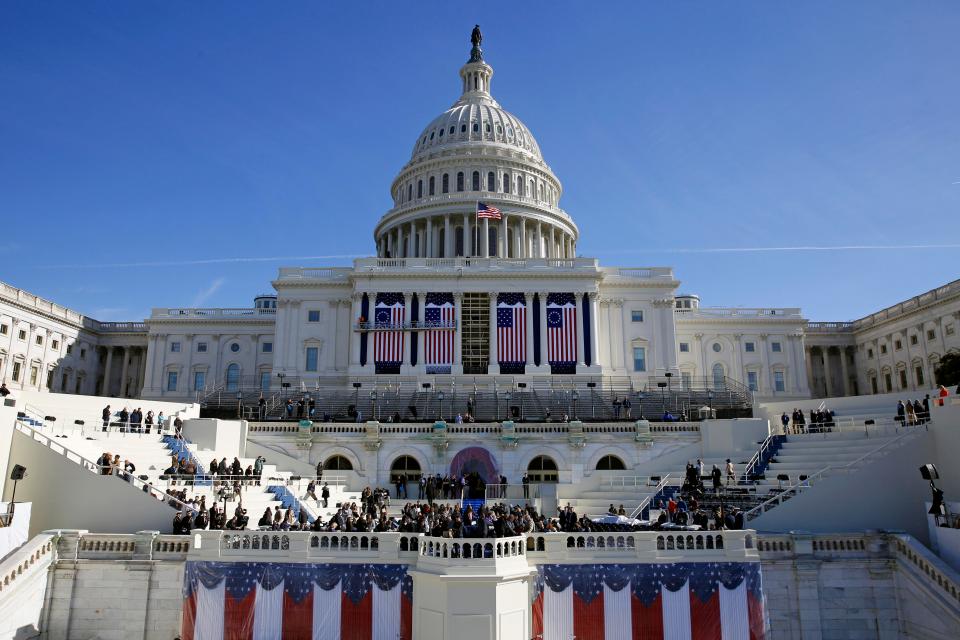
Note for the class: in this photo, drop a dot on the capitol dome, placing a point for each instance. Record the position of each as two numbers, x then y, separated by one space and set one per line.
476 152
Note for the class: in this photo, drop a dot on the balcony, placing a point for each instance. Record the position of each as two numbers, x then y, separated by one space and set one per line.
121 327
233 314
743 313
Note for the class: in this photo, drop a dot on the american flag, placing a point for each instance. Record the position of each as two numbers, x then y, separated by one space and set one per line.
511 328
677 600
286 600
486 211
439 311
561 329
389 312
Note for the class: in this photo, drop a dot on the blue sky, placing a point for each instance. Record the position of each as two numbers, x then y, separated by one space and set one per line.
178 132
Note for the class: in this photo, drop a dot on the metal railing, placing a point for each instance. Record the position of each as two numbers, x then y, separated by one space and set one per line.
508 492
646 502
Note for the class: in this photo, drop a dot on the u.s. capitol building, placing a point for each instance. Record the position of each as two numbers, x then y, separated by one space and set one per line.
499 300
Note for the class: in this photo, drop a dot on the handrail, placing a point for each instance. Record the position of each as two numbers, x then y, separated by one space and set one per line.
646 501
808 481
96 468
35 554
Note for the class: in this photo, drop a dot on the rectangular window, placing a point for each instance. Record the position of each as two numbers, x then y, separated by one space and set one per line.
39 340
873 385
69 349
919 372
4 329
201 347
199 380
752 380
870 353
171 380
931 334
686 379
684 347
83 354
16 372
889 382
639 359
175 347
949 329
265 381
749 347
883 348
267 347
34 373
21 335
914 340
903 378
776 347
55 345
898 345
312 353
50 380
313 315
636 315
779 384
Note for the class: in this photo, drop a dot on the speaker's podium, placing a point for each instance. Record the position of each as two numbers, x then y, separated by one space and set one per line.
471 589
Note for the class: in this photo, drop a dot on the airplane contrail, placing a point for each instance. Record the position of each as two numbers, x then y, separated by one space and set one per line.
850 247
190 263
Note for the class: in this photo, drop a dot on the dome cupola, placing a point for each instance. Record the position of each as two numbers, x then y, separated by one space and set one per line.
473 152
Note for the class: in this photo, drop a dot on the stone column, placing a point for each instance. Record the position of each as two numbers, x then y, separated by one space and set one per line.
528 301
485 239
150 384
428 240
503 242
457 368
543 331
188 373
808 364
580 341
828 379
467 236
594 342
398 244
738 358
766 378
524 253
357 300
106 372
538 248
447 238
142 375
421 341
844 369
552 253
493 366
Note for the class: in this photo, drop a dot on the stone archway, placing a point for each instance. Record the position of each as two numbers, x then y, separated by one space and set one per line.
475 459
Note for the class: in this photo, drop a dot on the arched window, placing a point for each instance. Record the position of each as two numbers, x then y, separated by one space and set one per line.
543 469
452 128
506 183
492 241
460 181
446 183
458 240
233 377
491 182
476 127
463 128
433 184
519 185
476 181
405 466
533 189
610 463
540 191
337 463
409 192
419 188
718 377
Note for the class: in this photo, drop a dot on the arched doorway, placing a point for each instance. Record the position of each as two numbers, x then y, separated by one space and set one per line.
405 466
543 469
610 463
475 460
233 377
338 463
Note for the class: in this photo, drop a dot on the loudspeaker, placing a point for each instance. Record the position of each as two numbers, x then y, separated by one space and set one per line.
869 422
18 473
929 472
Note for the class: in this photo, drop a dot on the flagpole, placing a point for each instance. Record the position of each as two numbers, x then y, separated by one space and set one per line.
476 229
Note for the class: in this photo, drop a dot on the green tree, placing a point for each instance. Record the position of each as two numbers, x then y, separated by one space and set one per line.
948 371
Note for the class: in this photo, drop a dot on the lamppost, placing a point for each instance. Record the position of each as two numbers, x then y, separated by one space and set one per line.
239 405
576 396
281 376
669 376
374 408
710 399
440 398
508 396
640 402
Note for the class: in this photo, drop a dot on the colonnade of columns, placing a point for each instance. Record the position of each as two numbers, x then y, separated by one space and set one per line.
130 384
514 236
584 342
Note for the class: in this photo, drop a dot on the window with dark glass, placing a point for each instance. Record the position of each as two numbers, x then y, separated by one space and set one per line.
460 181
445 183
491 182
432 185
476 181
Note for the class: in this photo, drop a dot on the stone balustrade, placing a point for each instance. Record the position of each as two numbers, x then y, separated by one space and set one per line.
35 555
